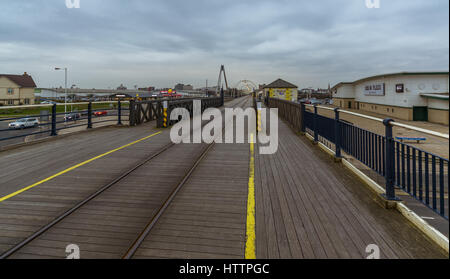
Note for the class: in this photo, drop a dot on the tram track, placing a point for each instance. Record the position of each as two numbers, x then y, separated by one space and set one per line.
153 220
145 233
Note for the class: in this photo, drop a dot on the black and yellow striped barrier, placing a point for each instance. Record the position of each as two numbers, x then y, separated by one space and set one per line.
165 120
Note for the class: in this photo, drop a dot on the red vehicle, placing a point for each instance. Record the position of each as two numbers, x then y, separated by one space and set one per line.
100 113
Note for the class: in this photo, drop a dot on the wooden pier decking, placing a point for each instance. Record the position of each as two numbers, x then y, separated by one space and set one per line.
307 206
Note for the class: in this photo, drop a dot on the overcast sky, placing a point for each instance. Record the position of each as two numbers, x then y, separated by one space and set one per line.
160 43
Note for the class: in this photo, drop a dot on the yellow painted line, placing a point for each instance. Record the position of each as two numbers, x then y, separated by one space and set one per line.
74 167
250 248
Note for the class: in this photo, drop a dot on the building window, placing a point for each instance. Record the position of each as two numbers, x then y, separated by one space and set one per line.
10 91
392 110
26 101
10 102
387 109
400 88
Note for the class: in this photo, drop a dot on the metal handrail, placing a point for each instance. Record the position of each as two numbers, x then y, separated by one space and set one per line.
397 124
59 104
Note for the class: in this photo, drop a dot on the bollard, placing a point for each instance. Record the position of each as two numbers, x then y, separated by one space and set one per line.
316 132
389 161
89 115
165 120
119 113
54 133
337 139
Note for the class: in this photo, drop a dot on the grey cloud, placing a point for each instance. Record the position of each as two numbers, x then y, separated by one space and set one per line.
311 43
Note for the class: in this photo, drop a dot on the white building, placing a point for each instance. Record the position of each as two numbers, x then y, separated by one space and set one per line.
417 96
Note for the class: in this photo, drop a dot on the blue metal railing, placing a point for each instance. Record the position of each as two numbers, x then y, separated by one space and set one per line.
421 174
52 122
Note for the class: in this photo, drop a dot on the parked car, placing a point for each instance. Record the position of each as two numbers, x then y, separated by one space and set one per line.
24 123
48 103
72 116
101 113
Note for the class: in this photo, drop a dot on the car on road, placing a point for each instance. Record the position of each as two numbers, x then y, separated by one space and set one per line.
101 113
72 116
24 123
48 103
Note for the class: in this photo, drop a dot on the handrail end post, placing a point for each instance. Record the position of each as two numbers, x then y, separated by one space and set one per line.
119 113
337 134
303 127
389 161
54 133
89 126
316 132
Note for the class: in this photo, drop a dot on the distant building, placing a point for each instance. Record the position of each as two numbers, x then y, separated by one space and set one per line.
314 91
180 87
281 89
416 96
122 87
16 89
150 88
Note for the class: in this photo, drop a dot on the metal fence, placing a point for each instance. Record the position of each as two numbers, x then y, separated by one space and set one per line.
160 110
289 111
47 120
419 173
144 111
50 122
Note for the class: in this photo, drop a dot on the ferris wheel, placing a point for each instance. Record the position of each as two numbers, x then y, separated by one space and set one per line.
246 85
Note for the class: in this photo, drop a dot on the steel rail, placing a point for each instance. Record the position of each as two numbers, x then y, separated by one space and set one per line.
137 243
80 204
147 229
66 214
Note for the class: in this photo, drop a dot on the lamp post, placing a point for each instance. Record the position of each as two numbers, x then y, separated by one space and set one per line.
65 91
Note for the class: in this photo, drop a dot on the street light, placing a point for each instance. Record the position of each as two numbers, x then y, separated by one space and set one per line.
65 91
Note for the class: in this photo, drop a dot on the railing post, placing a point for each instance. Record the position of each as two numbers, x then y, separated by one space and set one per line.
389 161
337 134
316 132
119 113
90 115
132 112
303 125
54 133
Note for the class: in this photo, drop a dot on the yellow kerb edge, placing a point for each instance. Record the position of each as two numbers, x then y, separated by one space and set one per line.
250 248
72 168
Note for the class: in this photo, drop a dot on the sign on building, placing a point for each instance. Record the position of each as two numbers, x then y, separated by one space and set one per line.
376 89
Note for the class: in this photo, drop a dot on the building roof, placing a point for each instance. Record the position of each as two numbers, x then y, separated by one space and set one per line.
279 83
441 96
391 75
22 80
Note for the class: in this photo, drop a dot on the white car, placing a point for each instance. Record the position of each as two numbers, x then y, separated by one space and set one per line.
24 123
